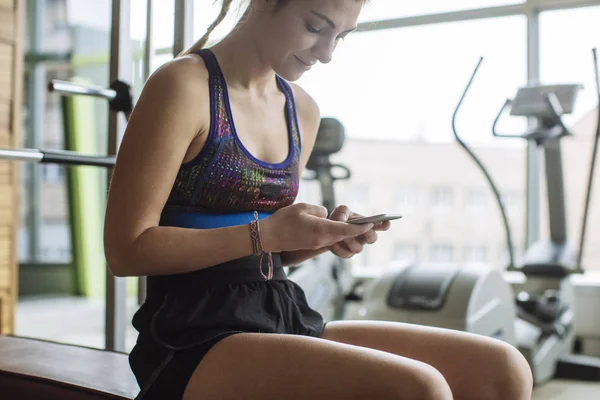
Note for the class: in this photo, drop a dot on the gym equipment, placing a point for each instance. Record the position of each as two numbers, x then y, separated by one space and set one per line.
544 327
471 298
474 299
326 279
29 365
119 95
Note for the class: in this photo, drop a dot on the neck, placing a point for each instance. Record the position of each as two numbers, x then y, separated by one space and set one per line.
242 63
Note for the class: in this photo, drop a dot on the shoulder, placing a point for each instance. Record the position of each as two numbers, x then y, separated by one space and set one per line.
309 117
306 106
183 78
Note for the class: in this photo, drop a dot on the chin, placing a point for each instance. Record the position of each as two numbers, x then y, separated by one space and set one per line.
289 73
291 76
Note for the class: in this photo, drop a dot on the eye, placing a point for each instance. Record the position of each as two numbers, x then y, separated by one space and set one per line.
313 29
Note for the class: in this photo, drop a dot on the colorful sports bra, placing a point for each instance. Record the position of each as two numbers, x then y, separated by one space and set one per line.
225 178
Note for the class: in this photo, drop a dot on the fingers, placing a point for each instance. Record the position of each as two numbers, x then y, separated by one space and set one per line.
369 237
341 213
341 251
383 226
354 245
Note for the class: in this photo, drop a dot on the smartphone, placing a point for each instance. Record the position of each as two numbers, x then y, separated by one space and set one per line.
375 219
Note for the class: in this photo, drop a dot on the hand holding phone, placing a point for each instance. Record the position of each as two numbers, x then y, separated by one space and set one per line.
375 219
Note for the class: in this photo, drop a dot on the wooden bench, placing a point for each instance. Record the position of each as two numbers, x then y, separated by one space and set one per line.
38 369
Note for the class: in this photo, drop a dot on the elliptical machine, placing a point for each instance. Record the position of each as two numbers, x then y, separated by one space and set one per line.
473 298
545 326
478 299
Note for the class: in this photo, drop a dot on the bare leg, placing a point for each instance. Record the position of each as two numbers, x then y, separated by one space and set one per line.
271 366
475 367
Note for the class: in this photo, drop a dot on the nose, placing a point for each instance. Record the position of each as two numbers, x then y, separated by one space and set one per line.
324 50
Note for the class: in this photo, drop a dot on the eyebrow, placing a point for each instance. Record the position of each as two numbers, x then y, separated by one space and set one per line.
329 21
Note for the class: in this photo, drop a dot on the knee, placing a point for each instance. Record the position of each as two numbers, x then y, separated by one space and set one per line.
428 384
510 373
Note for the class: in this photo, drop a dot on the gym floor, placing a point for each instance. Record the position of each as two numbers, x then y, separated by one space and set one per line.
80 321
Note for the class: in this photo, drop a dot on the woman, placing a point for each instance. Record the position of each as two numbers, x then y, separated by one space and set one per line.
201 202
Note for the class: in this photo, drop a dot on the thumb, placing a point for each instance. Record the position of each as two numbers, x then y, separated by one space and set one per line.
347 231
314 210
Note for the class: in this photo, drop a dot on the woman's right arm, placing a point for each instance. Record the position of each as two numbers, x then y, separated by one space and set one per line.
171 112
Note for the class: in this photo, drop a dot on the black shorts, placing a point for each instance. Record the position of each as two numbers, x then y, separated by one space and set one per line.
195 311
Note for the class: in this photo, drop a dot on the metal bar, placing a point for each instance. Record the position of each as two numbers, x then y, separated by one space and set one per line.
556 191
148 57
69 88
456 16
34 57
63 157
36 110
120 69
149 43
579 267
482 13
550 5
183 26
534 189
21 155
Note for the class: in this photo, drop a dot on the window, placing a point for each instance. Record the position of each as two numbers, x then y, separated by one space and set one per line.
441 198
401 112
205 12
388 9
566 44
441 253
513 203
357 198
406 252
401 92
476 200
566 53
475 254
406 200
52 173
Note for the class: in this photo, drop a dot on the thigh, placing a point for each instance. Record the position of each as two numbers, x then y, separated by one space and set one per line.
272 366
474 366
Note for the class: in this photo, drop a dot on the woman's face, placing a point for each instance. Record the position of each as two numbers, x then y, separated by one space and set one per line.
303 32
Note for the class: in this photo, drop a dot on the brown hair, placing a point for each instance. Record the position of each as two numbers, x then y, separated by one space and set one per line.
225 7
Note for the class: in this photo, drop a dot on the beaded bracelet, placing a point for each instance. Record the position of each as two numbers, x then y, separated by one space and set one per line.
258 248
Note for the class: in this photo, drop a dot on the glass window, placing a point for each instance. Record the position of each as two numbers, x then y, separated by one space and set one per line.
406 252
357 197
513 203
403 84
475 254
389 9
396 102
441 198
205 12
441 253
406 200
476 200
566 41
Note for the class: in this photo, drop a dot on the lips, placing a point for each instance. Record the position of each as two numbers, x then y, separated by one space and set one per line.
306 64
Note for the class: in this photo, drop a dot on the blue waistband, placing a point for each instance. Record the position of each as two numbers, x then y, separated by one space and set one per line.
199 220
